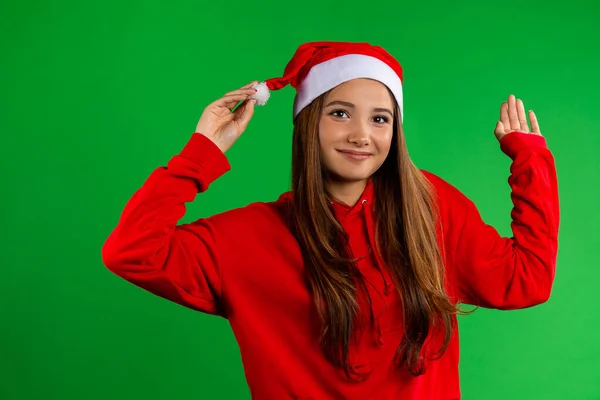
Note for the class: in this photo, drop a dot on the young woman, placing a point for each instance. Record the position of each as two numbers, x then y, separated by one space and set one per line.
348 286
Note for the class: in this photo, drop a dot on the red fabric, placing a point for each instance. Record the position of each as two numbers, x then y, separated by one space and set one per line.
244 265
310 54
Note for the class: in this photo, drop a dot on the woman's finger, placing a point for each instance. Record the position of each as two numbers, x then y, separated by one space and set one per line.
522 117
229 101
248 85
244 113
499 130
247 88
504 116
247 91
535 127
512 114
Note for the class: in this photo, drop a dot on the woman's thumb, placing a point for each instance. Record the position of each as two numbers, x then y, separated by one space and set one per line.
499 130
247 113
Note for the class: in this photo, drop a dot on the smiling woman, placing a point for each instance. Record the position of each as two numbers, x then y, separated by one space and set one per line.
348 286
333 138
355 135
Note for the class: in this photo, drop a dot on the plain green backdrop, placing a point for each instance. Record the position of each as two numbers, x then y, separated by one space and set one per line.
95 95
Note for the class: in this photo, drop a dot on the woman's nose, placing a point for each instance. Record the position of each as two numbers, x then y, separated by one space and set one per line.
359 137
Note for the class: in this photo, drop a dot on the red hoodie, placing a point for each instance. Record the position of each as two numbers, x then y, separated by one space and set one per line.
245 265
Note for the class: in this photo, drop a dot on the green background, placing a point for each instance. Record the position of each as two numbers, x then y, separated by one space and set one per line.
95 95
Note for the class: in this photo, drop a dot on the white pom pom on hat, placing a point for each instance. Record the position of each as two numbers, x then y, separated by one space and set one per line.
317 67
262 93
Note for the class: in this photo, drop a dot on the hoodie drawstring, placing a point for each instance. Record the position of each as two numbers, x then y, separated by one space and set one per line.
372 242
378 263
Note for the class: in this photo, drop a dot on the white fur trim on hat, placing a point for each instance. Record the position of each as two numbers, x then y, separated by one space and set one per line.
327 75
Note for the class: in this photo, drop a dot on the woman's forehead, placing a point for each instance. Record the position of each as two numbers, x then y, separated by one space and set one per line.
361 92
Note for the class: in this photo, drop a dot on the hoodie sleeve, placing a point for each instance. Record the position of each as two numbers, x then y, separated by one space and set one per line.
513 272
149 249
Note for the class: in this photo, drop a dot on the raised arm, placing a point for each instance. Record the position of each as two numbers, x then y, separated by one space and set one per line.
148 248
518 271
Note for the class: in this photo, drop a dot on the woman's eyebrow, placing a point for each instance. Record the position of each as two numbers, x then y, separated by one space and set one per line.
385 110
343 103
350 105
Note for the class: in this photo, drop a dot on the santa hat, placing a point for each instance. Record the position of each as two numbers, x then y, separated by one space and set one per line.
317 67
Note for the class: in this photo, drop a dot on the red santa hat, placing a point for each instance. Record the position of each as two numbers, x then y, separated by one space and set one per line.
317 67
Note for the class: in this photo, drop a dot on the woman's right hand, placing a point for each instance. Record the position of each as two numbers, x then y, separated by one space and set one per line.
224 126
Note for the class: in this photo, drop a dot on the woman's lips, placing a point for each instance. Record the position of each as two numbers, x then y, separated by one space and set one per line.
355 155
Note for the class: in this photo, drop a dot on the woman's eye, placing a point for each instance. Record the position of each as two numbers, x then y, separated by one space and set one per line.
339 113
380 119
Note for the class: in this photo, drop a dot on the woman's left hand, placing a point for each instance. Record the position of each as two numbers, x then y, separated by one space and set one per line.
514 119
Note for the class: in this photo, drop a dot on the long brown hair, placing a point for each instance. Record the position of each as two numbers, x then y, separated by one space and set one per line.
405 217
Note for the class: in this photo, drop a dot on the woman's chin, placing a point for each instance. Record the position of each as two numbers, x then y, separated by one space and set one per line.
341 177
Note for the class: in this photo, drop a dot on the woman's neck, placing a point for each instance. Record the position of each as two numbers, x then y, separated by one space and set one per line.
346 192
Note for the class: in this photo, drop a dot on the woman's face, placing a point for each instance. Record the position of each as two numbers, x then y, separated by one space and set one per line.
355 129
